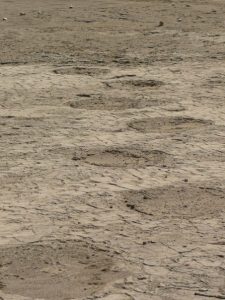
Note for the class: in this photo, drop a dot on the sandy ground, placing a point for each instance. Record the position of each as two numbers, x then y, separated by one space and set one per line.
112 150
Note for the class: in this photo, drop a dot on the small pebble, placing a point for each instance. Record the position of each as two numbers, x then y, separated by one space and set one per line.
5 19
104 270
203 290
131 206
161 23
161 285
141 277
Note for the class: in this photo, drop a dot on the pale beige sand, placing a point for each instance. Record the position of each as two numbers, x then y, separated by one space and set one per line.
112 150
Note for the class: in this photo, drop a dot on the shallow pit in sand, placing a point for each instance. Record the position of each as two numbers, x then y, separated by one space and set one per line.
98 102
58 270
134 82
168 124
143 82
182 201
80 70
122 158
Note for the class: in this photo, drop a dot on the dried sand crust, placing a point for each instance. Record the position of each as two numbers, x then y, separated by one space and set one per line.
112 151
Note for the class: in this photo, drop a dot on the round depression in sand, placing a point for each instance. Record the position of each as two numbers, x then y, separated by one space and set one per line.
99 102
168 124
130 158
79 70
135 83
56 271
182 201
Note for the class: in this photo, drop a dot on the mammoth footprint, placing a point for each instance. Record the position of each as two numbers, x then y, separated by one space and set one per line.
120 158
79 70
57 270
136 83
102 102
168 124
181 201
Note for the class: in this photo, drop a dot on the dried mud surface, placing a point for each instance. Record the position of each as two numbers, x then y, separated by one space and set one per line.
112 150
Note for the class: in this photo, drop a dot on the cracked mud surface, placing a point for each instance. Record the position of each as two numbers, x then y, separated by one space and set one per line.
112 150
